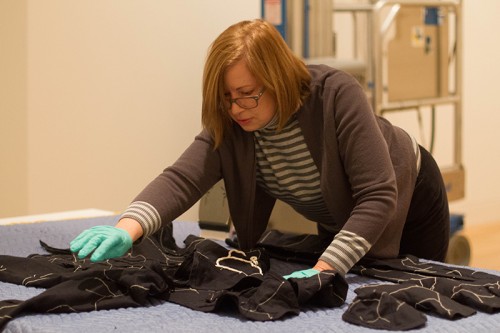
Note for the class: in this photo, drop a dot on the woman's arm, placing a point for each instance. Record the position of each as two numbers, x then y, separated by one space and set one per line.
131 226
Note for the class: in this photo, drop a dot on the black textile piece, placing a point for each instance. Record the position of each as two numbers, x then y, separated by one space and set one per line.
207 277
203 275
444 291
301 248
390 313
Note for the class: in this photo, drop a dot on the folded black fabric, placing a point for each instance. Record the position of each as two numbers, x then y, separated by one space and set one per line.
476 289
417 287
448 292
203 275
391 314
206 276
419 297
301 248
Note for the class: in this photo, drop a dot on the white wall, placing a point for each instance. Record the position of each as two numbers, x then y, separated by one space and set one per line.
13 112
481 133
112 95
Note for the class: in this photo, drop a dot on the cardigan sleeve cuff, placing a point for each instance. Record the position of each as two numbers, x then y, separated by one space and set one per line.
346 249
147 216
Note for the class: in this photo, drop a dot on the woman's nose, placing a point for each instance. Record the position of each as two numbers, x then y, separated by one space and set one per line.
235 108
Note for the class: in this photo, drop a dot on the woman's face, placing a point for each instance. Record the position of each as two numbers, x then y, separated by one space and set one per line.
238 83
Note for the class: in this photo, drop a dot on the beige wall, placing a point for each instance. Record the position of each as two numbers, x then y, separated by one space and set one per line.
481 111
13 111
97 97
113 96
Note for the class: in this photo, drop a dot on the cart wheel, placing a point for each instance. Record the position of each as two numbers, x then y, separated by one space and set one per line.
458 250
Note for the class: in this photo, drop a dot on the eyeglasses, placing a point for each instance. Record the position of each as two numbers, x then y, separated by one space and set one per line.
249 102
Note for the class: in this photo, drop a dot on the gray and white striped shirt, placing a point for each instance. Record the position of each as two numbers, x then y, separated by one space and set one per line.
286 170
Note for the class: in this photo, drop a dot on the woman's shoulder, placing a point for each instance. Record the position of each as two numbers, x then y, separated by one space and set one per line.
325 74
327 82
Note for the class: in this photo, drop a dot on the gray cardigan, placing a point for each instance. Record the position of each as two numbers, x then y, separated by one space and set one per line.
367 169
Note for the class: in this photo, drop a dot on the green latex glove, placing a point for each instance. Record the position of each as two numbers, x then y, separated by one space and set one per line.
302 274
104 241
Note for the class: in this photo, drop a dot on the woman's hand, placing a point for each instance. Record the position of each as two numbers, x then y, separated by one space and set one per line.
323 266
106 242
306 273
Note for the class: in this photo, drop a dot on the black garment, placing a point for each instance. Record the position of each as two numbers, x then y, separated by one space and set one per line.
302 248
426 233
447 292
444 291
203 285
224 277
203 276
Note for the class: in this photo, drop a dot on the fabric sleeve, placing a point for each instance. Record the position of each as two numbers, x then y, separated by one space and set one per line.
345 251
147 216
362 193
178 187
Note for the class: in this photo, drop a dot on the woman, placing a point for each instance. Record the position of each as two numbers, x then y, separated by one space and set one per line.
275 128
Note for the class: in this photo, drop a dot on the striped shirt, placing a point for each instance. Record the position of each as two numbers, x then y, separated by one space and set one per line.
286 170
